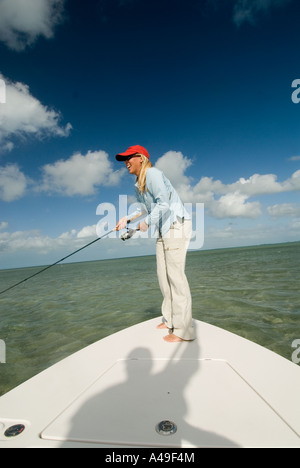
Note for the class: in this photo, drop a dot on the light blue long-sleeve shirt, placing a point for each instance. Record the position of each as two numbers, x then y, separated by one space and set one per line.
161 201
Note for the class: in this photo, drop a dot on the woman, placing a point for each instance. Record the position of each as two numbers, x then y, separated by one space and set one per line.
166 212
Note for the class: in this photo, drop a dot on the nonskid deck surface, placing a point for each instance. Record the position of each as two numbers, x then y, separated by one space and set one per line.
218 391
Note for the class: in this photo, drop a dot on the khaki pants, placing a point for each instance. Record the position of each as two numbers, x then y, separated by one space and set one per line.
170 257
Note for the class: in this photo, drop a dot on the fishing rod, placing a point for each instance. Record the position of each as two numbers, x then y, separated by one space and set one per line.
127 235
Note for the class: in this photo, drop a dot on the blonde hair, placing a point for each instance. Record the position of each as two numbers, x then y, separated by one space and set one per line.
141 179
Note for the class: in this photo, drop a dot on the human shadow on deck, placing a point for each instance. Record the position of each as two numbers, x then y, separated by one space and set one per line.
148 390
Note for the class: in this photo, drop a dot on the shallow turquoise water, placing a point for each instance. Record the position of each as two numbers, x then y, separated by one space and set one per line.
251 291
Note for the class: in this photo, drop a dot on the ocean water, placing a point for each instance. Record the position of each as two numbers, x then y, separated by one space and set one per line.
251 291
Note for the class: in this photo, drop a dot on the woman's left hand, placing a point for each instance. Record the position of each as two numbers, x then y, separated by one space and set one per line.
143 226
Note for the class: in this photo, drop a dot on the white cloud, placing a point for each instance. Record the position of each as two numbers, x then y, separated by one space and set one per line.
87 232
34 240
80 174
255 234
3 225
27 248
24 240
23 21
294 158
292 184
257 185
284 209
23 115
225 200
250 10
13 183
175 164
7 147
234 205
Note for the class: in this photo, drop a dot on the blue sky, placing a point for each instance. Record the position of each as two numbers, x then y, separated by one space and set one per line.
204 85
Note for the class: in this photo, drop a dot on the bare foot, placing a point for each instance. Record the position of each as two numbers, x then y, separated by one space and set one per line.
172 338
161 326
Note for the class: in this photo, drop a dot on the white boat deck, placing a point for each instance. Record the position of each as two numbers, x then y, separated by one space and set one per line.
220 391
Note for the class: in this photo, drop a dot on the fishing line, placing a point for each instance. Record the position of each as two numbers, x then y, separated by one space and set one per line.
125 236
53 264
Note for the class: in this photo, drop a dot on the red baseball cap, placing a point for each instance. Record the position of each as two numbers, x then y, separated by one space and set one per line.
131 151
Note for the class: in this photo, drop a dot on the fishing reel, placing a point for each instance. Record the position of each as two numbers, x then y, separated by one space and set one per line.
128 234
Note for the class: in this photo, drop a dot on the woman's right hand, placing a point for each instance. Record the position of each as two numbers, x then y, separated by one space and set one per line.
122 223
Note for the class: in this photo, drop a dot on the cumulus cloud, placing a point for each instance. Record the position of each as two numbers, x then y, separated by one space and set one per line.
80 174
257 185
13 183
293 183
23 21
13 242
87 232
284 209
83 175
175 164
23 115
234 205
26 240
29 240
225 200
